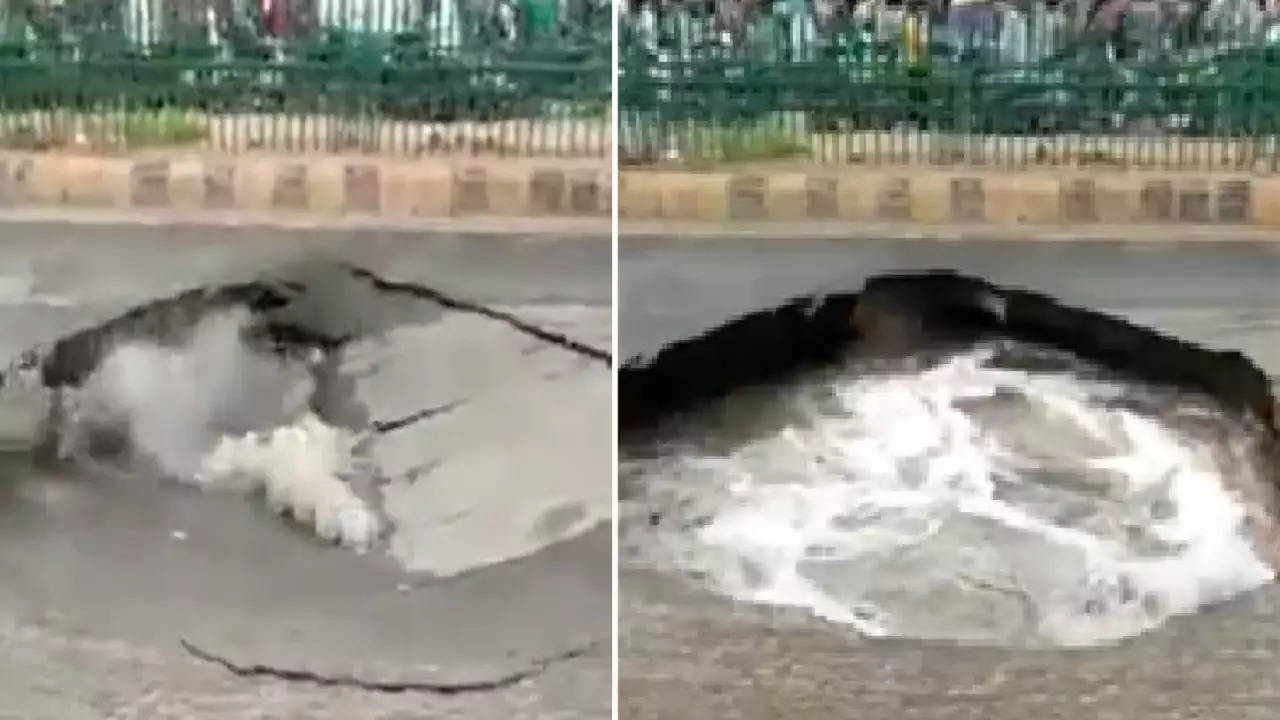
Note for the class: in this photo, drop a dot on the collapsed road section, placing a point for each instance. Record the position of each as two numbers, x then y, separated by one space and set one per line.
935 456
432 436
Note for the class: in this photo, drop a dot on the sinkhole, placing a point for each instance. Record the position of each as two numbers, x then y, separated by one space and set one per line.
935 457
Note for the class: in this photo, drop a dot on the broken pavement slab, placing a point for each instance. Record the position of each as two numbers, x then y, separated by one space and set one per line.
148 566
456 498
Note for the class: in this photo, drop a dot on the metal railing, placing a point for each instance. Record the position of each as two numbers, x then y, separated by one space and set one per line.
408 77
1114 82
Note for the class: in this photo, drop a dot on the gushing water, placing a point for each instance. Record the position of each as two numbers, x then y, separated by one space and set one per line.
178 401
219 415
963 501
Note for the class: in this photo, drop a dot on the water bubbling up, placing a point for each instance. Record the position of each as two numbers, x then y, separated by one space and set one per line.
963 501
220 415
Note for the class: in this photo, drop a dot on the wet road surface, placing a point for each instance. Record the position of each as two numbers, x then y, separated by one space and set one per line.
106 576
685 653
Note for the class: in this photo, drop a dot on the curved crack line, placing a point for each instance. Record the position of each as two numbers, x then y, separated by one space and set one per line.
438 688
453 303
386 426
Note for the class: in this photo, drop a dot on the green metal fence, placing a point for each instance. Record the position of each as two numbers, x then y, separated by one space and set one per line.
1118 83
515 77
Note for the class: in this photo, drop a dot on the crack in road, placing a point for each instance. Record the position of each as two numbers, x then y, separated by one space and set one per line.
536 668
412 475
386 426
899 314
555 338
70 359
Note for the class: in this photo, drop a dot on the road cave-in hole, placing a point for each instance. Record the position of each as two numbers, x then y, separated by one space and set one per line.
935 457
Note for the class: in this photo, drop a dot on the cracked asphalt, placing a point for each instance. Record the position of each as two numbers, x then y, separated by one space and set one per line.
124 600
687 654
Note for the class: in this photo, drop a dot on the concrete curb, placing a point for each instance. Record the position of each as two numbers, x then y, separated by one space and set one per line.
526 228
1065 197
684 232
325 185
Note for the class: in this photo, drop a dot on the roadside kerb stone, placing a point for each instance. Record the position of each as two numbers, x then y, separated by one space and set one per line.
325 185
951 196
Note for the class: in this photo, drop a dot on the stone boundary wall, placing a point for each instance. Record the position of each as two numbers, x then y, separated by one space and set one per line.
952 196
323 185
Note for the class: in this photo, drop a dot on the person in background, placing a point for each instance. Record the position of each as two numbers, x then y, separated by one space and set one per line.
1106 18
972 23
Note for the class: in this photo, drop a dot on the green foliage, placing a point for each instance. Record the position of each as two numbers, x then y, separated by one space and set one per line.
166 126
747 144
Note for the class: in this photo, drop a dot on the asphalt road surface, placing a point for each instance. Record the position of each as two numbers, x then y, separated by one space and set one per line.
687 654
104 577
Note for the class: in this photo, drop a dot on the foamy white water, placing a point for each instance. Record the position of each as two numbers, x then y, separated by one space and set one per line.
298 468
218 415
963 502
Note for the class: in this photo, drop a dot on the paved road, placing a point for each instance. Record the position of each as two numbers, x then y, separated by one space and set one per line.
1217 293
98 593
687 654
